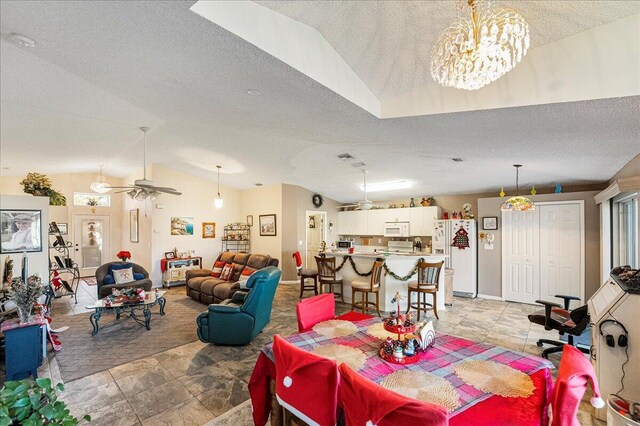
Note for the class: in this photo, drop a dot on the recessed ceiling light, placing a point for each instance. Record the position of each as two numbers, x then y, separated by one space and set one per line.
258 184
387 186
5 168
22 40
457 160
346 156
254 92
358 164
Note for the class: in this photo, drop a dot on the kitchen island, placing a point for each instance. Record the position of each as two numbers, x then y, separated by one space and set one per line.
399 263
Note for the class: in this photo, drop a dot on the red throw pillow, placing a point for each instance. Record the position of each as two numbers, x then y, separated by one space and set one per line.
247 272
227 272
217 268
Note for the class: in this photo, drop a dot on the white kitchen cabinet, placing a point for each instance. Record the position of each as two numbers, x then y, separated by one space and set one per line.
422 220
396 215
352 222
429 216
375 221
415 221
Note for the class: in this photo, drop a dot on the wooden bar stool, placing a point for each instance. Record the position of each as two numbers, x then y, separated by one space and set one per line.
366 287
306 274
327 276
428 283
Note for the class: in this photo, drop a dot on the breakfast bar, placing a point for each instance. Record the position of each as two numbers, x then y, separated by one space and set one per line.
399 263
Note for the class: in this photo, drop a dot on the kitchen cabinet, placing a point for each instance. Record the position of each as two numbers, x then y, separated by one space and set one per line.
429 217
375 221
352 222
422 220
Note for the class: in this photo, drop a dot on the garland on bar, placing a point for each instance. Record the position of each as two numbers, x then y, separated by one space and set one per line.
384 265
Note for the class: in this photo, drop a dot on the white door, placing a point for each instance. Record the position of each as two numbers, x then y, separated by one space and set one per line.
560 251
521 256
91 242
315 236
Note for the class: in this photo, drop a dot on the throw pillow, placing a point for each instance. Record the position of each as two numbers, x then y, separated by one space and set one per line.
227 271
217 268
108 279
117 266
244 277
123 276
137 276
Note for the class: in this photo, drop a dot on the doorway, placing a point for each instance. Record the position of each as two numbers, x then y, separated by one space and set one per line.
543 252
91 235
316 233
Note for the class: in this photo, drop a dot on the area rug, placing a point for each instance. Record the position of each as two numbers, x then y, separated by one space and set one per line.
121 342
90 281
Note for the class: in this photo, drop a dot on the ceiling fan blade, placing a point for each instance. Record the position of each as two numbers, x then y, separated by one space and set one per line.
122 187
167 190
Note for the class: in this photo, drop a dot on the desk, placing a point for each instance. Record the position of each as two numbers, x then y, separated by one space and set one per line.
476 407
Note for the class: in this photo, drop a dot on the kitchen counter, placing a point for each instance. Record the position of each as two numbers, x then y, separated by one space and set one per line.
399 263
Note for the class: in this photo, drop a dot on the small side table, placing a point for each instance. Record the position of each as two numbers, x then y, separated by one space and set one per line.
25 347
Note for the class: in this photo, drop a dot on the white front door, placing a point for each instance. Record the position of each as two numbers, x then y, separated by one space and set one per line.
91 242
560 251
315 237
521 256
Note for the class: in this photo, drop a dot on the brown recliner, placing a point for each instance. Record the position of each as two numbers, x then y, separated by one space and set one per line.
105 289
201 286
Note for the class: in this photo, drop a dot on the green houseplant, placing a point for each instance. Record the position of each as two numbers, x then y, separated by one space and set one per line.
31 403
40 185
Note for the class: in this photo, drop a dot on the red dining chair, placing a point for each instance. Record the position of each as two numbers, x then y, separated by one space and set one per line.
366 403
573 375
306 384
314 310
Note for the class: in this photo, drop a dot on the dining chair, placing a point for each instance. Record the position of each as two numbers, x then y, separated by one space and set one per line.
574 373
327 276
364 402
315 309
306 385
427 283
305 274
366 287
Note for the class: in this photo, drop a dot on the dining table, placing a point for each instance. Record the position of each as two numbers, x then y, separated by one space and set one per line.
478 383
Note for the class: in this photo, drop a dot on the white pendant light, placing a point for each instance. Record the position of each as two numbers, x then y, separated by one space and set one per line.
100 185
218 201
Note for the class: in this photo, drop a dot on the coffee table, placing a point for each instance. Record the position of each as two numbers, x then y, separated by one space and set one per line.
151 299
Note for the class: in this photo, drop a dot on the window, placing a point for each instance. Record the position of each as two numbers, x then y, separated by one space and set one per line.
91 199
626 241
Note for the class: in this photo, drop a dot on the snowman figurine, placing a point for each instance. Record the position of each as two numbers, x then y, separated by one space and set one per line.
397 352
409 349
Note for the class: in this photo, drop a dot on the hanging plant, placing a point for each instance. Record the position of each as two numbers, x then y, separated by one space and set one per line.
40 185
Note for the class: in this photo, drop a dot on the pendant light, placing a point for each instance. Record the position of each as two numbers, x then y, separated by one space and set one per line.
517 203
364 204
218 200
100 185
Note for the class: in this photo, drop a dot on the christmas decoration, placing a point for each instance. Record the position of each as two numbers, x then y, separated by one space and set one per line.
461 239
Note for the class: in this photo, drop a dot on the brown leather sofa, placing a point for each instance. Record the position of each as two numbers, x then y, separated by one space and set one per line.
201 286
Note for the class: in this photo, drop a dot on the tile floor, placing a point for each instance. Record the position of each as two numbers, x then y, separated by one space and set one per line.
195 383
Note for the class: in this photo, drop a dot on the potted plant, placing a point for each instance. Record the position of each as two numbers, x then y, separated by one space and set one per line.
25 295
426 201
31 403
123 255
40 185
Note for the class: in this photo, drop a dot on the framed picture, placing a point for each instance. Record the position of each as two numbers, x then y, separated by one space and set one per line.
208 229
267 225
169 255
20 230
64 230
490 223
134 234
182 225
250 220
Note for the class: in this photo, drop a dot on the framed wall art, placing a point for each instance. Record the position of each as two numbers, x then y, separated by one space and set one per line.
490 223
134 232
208 229
20 231
268 225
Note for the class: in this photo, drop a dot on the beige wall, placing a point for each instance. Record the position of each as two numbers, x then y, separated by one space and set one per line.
258 201
632 168
140 251
490 261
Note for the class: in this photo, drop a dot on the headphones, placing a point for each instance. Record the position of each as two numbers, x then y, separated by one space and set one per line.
623 339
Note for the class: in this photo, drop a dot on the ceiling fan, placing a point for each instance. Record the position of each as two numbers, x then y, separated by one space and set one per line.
144 188
364 204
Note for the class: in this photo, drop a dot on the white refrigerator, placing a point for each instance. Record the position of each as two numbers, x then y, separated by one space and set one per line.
464 261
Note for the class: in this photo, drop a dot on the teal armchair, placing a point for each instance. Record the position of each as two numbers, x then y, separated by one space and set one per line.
236 321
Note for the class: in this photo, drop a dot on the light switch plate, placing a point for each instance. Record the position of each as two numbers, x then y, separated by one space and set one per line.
300 243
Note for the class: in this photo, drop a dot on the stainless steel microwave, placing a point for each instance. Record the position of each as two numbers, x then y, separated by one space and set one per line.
345 244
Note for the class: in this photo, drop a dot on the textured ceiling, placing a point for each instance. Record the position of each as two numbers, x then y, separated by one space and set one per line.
101 69
388 43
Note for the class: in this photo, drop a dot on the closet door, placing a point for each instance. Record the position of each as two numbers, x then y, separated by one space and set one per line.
561 251
521 256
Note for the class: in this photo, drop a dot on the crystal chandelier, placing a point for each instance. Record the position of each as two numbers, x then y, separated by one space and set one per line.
100 185
517 203
479 49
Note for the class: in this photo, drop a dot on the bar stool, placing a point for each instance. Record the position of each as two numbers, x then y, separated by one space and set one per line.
366 287
428 283
306 274
327 276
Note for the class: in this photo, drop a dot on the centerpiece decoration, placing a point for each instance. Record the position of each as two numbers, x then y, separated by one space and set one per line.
126 295
123 255
403 349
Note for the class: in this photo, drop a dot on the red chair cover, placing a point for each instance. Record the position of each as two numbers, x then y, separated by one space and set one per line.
306 384
573 375
314 310
298 259
354 316
366 403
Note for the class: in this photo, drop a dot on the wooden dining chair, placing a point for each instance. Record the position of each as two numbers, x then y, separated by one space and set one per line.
327 275
315 309
366 287
305 274
428 283
306 385
364 402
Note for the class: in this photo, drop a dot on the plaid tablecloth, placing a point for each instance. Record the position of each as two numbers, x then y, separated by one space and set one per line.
440 360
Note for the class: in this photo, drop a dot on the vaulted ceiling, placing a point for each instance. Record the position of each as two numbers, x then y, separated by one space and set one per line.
102 69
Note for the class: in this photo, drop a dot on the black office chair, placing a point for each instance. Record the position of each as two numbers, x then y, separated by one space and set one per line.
554 317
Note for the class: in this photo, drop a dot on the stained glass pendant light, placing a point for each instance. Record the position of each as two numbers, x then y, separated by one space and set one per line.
100 185
480 47
218 199
517 203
